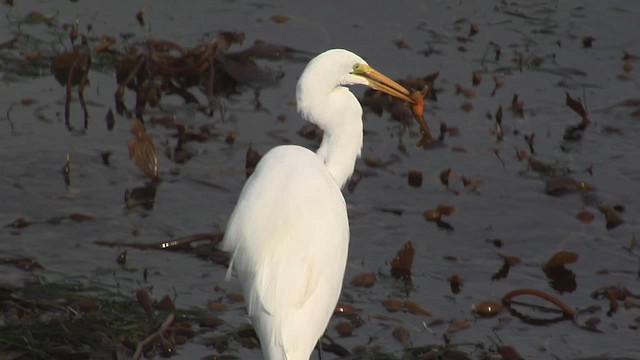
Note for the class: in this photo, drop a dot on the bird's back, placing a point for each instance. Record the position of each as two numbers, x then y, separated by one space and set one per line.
289 236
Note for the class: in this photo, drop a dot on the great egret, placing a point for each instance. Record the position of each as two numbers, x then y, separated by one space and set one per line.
289 232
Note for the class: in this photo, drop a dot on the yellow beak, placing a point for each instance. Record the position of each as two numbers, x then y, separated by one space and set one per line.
379 81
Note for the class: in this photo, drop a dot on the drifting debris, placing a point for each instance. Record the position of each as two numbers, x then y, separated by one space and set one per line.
467 92
587 41
280 19
401 44
401 334
366 279
437 214
110 119
71 68
395 305
231 137
414 178
455 326
144 300
585 216
140 17
612 215
563 185
487 309
574 132
567 311
344 328
22 263
497 83
66 170
122 258
508 262
142 150
476 78
455 282
561 278
402 262
517 106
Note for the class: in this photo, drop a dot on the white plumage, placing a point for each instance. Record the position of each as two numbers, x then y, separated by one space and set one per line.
289 232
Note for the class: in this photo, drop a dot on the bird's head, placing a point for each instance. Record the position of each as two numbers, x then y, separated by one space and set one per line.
338 68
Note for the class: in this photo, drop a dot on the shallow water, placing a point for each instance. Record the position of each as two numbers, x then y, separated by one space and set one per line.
198 196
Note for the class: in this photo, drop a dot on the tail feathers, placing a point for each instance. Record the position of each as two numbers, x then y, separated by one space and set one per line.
280 342
270 336
227 277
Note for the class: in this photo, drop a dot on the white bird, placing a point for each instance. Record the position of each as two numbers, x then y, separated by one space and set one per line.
289 232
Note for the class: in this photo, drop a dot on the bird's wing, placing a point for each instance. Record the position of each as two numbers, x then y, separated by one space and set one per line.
288 230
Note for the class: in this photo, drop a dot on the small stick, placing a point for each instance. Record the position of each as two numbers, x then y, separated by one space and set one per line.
9 116
67 101
151 338
566 309
134 72
81 86
216 238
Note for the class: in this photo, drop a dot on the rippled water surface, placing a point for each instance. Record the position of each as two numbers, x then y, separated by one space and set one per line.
542 58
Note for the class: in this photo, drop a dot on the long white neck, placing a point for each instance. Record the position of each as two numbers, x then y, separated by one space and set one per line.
339 150
339 115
